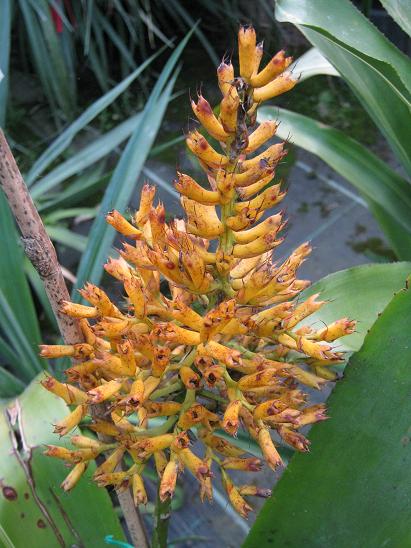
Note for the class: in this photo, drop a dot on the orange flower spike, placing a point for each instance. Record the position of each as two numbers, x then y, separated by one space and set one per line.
197 466
67 424
75 310
268 449
261 378
272 155
254 491
173 333
169 480
263 133
110 464
219 444
302 310
79 351
268 408
237 501
229 109
266 199
188 187
84 442
213 374
127 357
295 439
189 378
255 248
135 397
74 476
81 455
278 86
104 392
222 353
112 328
259 52
208 120
250 464
231 420
104 427
69 393
135 291
119 480
275 67
202 219
335 330
138 489
146 202
186 315
247 54
117 221
160 461
270 225
98 298
225 75
118 268
147 446
160 360
312 414
201 148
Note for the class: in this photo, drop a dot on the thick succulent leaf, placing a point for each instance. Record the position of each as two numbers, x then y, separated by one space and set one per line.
353 488
32 505
400 11
377 71
359 293
387 193
127 171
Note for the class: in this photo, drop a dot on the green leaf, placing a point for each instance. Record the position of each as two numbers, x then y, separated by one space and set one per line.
10 385
66 137
86 157
388 194
37 284
311 63
127 171
353 488
359 293
67 237
401 13
5 33
35 507
379 74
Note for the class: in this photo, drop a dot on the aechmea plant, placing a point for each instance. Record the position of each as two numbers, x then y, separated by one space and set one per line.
208 335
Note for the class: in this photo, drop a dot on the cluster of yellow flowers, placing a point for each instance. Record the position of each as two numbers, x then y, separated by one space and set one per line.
208 340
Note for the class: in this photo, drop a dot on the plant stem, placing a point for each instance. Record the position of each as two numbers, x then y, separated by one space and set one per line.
161 521
40 250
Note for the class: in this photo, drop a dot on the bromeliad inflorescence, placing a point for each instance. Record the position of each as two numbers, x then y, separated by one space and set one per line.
208 339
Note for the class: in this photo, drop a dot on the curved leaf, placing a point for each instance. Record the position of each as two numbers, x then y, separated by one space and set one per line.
353 488
378 183
359 293
310 64
378 72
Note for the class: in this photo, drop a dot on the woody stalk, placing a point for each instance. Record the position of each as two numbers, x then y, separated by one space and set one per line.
208 338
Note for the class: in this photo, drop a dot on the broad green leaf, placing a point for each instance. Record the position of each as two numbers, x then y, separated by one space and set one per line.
378 183
37 284
125 175
5 32
400 11
66 137
310 64
379 74
86 157
35 507
359 293
353 488
10 385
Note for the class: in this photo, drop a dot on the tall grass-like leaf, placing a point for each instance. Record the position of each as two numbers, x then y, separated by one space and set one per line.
378 73
122 184
23 345
13 282
5 33
66 137
90 154
67 237
10 385
388 194
38 287
400 11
